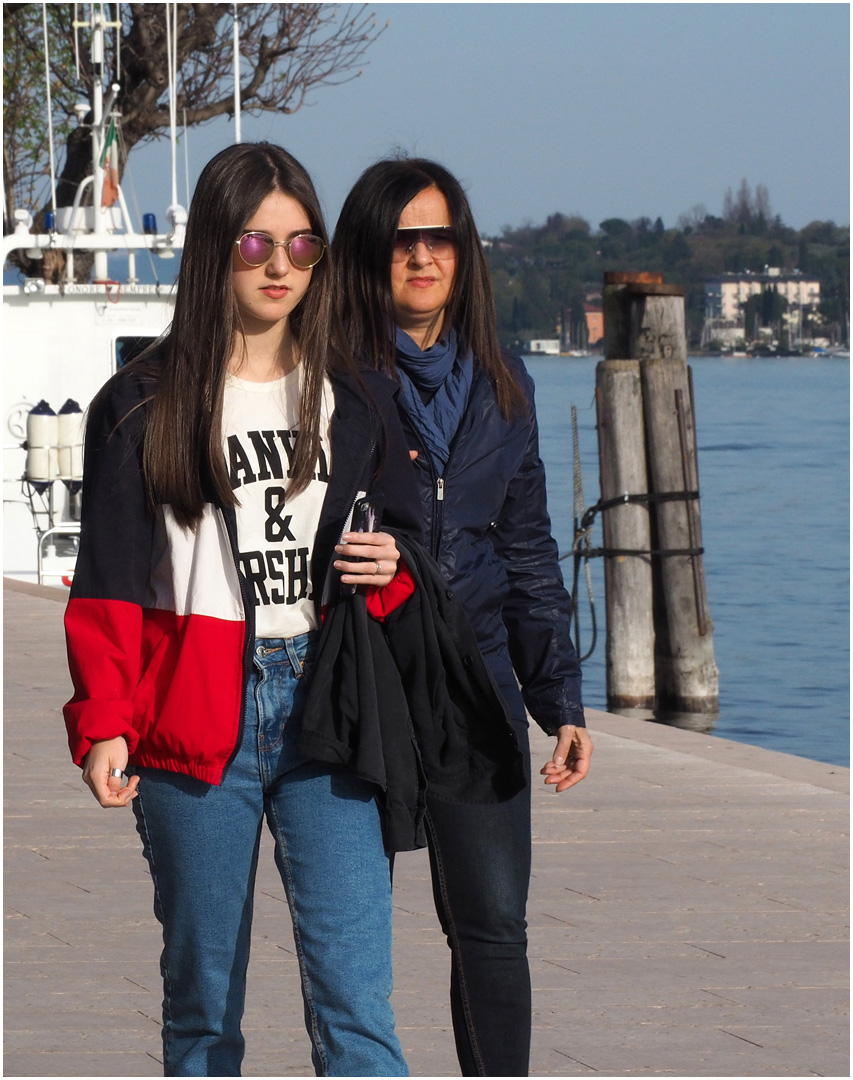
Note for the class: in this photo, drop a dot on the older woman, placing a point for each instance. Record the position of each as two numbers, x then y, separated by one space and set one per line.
417 303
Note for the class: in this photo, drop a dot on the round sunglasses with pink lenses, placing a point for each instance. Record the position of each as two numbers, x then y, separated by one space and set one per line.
303 250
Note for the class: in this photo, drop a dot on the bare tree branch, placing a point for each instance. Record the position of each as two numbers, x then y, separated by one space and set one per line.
287 52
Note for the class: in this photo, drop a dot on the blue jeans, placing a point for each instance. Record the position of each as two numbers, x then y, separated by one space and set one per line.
202 841
480 861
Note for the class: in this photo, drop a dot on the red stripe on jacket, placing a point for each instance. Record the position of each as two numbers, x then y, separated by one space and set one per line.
170 685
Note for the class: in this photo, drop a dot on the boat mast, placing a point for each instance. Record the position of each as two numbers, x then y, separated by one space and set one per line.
48 98
74 228
98 25
237 126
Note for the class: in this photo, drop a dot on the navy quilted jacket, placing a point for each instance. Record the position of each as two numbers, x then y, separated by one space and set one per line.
486 524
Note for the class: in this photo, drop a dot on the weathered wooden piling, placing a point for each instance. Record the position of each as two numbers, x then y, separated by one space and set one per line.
630 650
648 446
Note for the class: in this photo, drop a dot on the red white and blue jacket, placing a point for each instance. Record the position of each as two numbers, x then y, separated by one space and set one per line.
160 621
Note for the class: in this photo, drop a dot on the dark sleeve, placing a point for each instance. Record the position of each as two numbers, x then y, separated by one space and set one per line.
103 620
537 610
117 524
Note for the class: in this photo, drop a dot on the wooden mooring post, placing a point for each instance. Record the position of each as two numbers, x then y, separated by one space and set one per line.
660 645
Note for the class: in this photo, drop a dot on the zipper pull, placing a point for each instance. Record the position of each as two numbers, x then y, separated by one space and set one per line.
439 493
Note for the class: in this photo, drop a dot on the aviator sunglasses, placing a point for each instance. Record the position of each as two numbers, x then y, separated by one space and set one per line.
304 250
439 239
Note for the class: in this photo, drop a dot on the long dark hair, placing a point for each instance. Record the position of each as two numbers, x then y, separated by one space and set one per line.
183 458
363 243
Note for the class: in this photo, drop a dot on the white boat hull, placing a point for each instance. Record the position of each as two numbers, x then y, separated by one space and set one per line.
59 345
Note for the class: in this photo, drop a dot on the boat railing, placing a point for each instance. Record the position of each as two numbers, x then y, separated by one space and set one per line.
36 243
50 562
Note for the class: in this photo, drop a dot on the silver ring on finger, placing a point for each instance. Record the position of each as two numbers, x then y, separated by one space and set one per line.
378 566
119 773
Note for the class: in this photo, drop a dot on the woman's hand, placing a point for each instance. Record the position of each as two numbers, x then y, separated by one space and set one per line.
105 755
378 548
570 761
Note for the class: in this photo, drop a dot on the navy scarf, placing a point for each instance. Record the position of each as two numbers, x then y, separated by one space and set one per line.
445 374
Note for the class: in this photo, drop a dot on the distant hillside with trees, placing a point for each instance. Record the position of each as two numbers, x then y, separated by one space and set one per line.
544 274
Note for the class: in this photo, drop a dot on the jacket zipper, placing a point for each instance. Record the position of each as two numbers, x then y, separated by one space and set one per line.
437 512
438 486
248 638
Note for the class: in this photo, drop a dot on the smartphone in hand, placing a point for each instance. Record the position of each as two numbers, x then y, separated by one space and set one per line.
366 517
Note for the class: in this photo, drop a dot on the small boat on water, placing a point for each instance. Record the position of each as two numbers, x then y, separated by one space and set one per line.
63 339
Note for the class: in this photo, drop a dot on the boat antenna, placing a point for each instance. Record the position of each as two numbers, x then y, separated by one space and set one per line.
76 44
237 129
118 45
172 50
186 159
49 109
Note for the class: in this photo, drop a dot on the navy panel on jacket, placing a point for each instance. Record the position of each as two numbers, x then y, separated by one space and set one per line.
491 536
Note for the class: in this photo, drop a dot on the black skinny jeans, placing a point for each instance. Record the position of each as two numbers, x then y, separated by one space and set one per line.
480 859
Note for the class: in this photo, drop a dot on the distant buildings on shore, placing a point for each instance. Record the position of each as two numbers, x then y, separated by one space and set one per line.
565 345
769 309
594 323
541 347
727 303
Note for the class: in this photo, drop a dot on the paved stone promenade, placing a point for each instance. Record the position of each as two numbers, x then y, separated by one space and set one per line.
688 914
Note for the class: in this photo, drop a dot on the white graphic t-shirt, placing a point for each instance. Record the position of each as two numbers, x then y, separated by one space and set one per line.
275 531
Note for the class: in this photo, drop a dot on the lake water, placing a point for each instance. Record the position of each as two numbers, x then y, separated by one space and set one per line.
774 442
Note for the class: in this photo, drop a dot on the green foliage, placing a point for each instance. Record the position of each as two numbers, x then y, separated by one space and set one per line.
543 274
615 228
764 310
25 157
286 52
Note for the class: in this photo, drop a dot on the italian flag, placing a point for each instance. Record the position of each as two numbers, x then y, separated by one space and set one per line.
109 163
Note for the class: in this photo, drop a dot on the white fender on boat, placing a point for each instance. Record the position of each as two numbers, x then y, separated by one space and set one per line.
70 439
42 465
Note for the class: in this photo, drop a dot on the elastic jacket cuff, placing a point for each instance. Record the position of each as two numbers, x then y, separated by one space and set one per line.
382 600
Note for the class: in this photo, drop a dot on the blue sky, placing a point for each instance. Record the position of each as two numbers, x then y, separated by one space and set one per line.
605 110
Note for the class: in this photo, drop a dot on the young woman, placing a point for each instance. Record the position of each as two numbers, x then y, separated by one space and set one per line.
220 472
417 303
